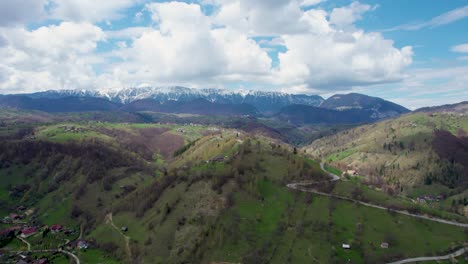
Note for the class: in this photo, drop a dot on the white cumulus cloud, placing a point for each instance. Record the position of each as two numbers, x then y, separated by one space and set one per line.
49 57
14 12
90 10
317 49
187 49
462 48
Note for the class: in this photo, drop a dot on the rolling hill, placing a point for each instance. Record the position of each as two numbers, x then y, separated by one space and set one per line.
422 150
192 194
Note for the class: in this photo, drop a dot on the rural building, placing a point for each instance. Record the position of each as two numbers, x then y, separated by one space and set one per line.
384 245
219 158
346 246
82 244
9 231
15 217
29 212
124 229
27 232
56 228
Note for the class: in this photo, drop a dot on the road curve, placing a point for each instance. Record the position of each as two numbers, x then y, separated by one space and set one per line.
300 186
77 260
25 242
333 177
436 258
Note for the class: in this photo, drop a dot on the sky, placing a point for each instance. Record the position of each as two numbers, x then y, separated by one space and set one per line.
414 53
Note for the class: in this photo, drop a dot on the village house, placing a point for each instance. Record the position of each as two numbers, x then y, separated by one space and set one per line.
82 244
41 261
27 232
346 246
9 231
219 158
29 212
56 228
15 217
429 198
384 245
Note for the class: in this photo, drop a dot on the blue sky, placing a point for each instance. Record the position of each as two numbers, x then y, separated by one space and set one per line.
411 52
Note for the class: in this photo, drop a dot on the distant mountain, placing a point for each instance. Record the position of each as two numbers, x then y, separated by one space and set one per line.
86 104
304 114
460 108
267 102
197 106
64 104
380 108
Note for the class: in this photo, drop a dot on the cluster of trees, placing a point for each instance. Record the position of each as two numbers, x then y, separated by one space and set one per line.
183 149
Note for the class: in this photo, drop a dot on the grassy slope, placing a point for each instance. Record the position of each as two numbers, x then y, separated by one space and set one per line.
407 162
237 211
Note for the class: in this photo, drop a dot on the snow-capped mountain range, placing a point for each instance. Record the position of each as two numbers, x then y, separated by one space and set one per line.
263 101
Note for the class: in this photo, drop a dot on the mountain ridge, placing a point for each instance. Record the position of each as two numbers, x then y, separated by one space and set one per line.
381 108
262 100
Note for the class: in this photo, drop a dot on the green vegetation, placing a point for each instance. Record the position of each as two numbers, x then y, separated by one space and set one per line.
399 156
333 170
222 198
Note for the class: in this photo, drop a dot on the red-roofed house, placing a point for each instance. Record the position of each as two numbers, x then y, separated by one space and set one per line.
8 231
41 261
15 217
26 232
56 228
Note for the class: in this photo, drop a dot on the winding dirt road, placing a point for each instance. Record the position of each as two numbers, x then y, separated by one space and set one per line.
301 186
109 220
25 242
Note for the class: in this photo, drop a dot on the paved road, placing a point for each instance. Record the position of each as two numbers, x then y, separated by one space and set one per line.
436 258
300 186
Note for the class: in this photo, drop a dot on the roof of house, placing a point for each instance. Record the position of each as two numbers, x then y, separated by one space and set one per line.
384 245
10 229
82 243
56 227
29 230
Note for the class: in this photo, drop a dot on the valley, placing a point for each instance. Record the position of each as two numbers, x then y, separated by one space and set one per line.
199 192
140 184
233 132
